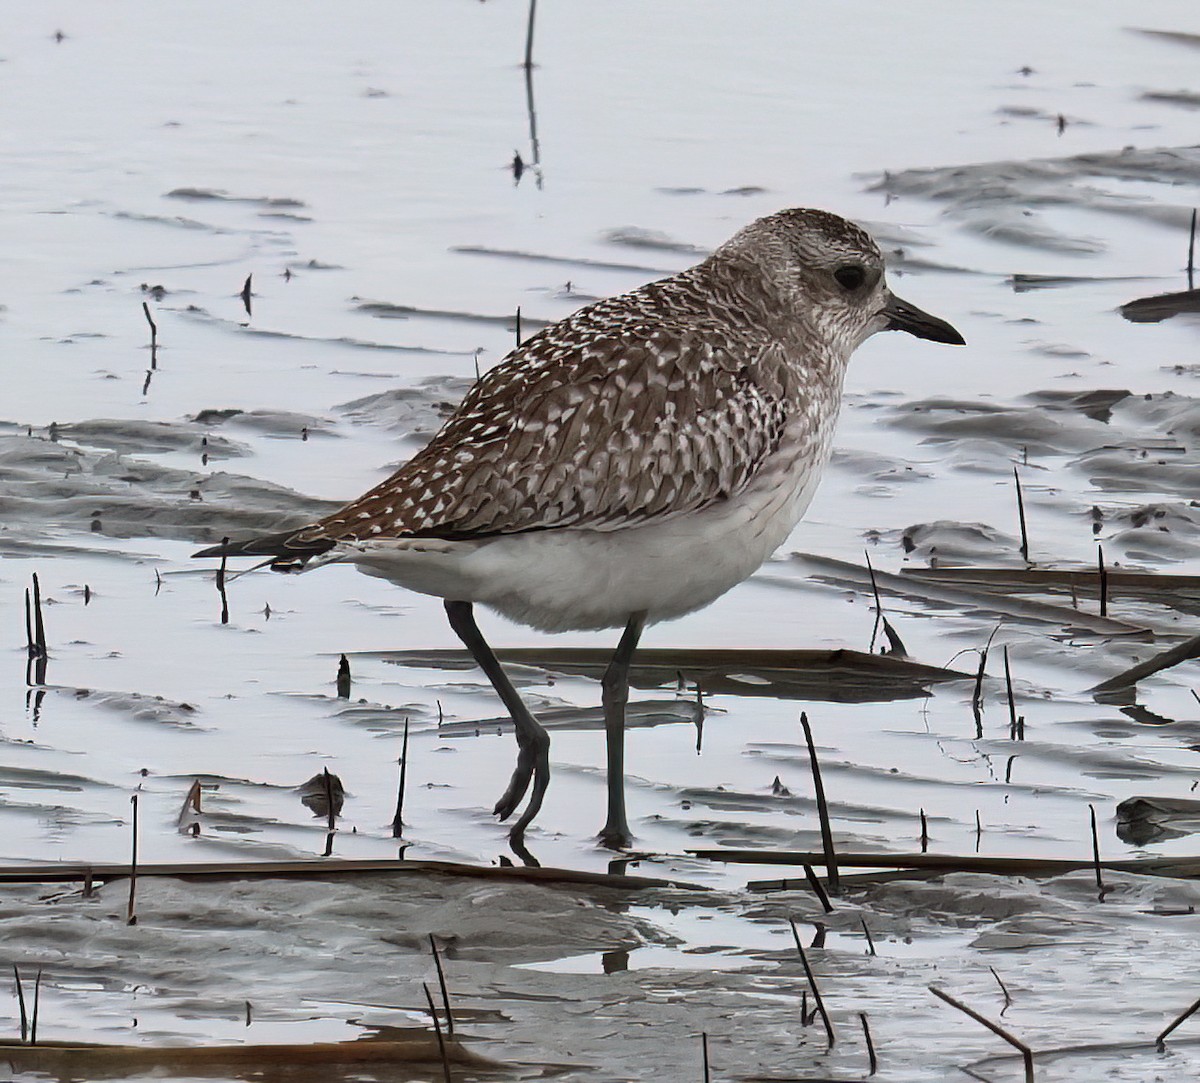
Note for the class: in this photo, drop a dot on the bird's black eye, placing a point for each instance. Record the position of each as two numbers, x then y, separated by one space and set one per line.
850 277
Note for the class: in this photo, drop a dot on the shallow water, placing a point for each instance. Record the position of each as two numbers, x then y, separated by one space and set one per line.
357 168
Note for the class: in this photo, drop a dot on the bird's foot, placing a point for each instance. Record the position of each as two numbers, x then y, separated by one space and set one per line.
533 764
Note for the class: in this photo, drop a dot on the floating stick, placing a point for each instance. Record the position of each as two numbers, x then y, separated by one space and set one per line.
518 327
704 1049
831 870
867 934
1103 581
153 344
995 1028
924 832
812 984
1182 652
1178 1019
398 819
442 982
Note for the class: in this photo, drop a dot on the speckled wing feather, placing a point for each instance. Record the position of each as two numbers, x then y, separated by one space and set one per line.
602 433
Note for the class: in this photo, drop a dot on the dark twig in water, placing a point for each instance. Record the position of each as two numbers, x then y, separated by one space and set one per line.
1189 1011
895 643
995 1028
872 1060
437 962
246 295
1021 517
21 1004
1103 580
39 627
1096 853
221 586
867 933
1003 989
978 830
529 35
924 833
153 343
977 695
398 819
131 913
818 888
1182 652
343 678
1191 264
812 984
37 996
437 1029
704 1053
1012 703
518 327
831 869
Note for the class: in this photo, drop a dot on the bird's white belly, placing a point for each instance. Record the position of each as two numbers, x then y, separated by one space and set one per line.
557 580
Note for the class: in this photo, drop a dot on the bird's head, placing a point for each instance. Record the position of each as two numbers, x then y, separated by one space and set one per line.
831 274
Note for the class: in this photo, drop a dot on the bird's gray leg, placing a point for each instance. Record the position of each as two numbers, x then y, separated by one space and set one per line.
615 694
533 742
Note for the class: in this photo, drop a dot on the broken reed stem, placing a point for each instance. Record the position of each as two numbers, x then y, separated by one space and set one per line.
35 627
221 585
37 993
1096 852
995 1028
131 915
21 1004
812 984
1003 989
1012 703
518 327
1021 517
867 934
1189 1011
1182 652
343 678
704 1051
871 1058
1103 580
528 65
831 869
1191 264
246 294
153 326
330 809
924 832
878 603
398 819
818 888
437 962
437 1029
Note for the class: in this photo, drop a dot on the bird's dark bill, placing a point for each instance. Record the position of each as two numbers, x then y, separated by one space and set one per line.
901 316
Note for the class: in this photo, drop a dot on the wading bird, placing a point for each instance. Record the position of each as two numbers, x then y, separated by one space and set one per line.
628 464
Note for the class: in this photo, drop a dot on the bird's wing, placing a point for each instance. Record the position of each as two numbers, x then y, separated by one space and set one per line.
602 436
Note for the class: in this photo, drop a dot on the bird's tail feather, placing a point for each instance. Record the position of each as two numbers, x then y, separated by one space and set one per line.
288 547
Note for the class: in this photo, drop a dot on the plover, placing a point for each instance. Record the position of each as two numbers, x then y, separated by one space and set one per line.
628 464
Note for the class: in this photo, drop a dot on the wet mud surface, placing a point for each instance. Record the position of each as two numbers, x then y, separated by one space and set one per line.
1028 196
